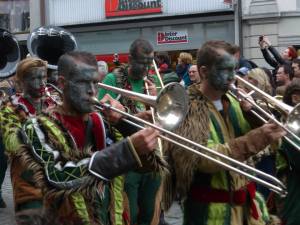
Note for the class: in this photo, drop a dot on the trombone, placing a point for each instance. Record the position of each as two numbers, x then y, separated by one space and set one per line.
160 104
292 126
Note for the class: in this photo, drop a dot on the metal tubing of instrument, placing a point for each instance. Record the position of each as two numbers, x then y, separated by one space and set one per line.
285 108
270 116
285 137
150 100
272 187
153 111
158 74
280 189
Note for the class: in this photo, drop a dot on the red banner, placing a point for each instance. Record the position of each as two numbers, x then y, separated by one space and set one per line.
116 8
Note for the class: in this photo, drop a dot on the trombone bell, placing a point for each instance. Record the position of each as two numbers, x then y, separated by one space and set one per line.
293 122
171 104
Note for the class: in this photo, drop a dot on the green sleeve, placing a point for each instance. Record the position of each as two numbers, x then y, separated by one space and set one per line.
10 124
109 79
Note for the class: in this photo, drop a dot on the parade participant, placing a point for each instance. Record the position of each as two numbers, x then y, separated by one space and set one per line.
288 159
5 92
141 187
31 77
67 151
212 194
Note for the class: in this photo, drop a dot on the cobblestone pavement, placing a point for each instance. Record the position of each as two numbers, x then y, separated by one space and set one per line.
7 215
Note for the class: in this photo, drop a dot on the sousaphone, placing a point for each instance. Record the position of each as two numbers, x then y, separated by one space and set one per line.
9 54
49 43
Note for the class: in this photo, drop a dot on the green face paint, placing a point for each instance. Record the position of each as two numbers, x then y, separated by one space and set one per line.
222 73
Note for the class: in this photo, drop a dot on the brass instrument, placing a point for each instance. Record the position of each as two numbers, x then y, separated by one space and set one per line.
292 114
163 105
49 43
9 54
160 147
171 104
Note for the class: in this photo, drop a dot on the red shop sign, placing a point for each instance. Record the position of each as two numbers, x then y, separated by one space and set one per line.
116 8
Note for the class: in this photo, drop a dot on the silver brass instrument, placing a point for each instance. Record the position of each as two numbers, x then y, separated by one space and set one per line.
49 43
164 107
292 114
9 54
171 104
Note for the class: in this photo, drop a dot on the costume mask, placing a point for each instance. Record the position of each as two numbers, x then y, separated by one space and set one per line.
34 82
140 66
138 71
80 86
222 73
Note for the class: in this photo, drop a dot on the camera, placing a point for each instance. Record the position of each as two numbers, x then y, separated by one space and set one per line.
261 38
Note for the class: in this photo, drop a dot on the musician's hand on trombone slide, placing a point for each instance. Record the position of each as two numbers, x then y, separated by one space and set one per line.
110 115
272 132
145 115
145 141
151 87
245 105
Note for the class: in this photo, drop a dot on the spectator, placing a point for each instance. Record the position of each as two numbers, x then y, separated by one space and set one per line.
102 69
296 68
243 71
271 78
285 57
163 62
292 93
283 78
242 62
194 74
260 79
184 62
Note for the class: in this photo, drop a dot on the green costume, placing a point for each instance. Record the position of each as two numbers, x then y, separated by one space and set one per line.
79 186
288 167
213 195
141 187
27 195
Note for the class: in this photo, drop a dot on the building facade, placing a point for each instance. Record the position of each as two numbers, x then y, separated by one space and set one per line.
278 19
105 27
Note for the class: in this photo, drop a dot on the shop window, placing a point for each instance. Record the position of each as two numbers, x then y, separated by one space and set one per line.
4 21
14 15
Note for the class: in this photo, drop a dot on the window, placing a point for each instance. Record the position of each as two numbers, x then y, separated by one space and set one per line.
14 15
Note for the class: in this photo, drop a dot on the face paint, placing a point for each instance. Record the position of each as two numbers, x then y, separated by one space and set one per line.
34 82
138 71
140 66
222 73
80 87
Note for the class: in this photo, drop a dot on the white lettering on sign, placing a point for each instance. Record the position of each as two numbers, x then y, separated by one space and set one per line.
172 37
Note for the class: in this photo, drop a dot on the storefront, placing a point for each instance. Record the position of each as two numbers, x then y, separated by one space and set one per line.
105 27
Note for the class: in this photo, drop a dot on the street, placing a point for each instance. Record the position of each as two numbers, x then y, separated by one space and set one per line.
7 214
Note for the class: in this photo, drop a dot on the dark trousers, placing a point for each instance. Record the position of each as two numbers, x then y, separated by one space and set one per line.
141 190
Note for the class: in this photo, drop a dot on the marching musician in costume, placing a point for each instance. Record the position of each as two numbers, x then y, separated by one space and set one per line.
288 167
213 195
67 149
31 77
141 186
